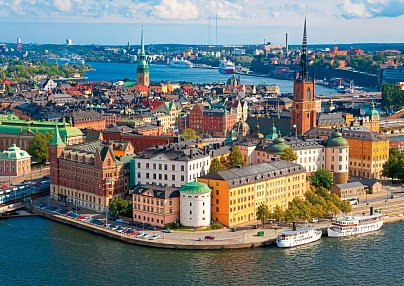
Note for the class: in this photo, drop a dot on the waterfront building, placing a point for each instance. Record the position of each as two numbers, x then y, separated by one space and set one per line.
89 175
14 162
195 204
304 114
155 205
337 157
368 151
142 71
21 132
237 193
171 165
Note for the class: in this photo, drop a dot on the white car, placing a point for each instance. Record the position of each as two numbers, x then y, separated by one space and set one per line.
314 220
146 235
154 237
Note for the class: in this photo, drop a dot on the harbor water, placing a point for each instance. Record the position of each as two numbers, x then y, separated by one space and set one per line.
119 71
36 251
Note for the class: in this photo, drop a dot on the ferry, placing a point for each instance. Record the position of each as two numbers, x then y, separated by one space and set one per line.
227 67
175 63
354 225
298 236
63 61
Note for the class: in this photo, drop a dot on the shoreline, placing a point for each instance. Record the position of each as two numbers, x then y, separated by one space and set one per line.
238 242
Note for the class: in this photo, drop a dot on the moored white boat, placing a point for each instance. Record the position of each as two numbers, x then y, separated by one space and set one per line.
353 225
298 236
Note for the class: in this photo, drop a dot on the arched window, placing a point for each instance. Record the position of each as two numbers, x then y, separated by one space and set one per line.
308 94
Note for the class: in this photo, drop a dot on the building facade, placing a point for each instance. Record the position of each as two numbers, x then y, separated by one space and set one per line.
171 165
89 174
155 205
195 204
237 193
14 162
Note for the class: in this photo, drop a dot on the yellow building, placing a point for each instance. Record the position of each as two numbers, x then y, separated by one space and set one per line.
237 193
368 151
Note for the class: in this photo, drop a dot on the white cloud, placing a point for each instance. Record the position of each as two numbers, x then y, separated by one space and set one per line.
370 8
62 5
176 10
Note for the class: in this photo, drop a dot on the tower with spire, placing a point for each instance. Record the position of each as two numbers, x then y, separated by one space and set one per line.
142 71
55 149
304 114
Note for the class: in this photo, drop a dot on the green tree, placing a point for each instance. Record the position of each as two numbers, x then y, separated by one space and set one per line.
235 158
120 207
278 214
345 207
289 154
394 167
291 214
263 213
38 147
216 166
322 178
189 133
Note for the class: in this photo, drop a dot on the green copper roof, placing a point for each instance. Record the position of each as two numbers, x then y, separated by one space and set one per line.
195 187
57 140
336 140
14 152
372 111
17 126
278 145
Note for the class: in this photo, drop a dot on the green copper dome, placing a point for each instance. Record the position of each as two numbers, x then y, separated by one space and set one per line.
336 140
278 146
195 187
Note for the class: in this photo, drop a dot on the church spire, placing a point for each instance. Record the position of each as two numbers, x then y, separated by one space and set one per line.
57 140
303 75
142 44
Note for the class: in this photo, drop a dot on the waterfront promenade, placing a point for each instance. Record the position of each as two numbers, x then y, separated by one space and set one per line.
393 210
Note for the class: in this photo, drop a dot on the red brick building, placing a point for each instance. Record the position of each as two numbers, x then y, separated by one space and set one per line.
215 122
89 174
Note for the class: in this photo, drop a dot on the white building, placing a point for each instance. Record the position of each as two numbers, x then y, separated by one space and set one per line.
171 165
310 154
337 154
195 204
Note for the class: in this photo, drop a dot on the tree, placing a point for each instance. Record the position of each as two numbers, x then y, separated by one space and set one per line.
278 214
38 147
345 207
120 207
263 213
289 154
189 133
291 214
235 158
216 166
322 178
394 167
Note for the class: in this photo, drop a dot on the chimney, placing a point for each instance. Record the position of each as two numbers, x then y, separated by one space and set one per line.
371 211
191 153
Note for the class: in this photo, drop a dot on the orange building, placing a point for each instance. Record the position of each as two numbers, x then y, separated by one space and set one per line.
237 193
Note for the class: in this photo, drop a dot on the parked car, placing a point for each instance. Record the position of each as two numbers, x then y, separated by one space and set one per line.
209 237
154 237
63 204
146 235
314 220
141 234
167 230
120 220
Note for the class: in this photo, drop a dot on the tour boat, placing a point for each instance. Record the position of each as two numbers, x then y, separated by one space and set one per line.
298 236
175 63
354 225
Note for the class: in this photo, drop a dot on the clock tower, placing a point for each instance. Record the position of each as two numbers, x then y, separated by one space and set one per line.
304 114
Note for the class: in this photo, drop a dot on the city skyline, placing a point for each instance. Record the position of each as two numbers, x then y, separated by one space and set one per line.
187 21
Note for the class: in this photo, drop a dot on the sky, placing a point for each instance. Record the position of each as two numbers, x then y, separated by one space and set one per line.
187 21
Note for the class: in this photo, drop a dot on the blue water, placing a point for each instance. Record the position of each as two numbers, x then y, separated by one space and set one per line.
35 251
118 71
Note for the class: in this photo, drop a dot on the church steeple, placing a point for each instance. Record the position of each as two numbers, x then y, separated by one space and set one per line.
57 140
142 72
303 74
